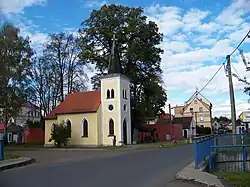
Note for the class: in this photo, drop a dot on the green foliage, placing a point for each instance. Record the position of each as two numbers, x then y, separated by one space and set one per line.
222 119
138 42
35 124
60 134
203 130
15 62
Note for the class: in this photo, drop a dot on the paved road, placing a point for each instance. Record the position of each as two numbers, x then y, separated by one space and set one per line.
137 169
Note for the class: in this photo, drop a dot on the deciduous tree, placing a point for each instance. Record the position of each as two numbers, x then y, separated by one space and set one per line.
15 62
138 42
58 71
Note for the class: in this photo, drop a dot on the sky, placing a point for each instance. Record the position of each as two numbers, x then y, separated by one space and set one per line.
198 34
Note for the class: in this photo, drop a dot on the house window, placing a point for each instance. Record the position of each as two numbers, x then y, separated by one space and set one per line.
108 94
68 124
112 93
192 110
9 137
111 127
201 109
85 128
201 118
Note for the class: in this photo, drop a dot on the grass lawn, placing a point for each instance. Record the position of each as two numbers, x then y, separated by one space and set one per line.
241 179
162 145
26 145
9 156
41 145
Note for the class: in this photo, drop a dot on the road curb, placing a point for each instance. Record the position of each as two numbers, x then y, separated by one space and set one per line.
198 176
18 162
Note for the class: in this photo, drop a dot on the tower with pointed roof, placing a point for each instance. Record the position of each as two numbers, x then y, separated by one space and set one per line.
115 98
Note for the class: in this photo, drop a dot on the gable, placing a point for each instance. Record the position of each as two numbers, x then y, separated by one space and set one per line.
196 104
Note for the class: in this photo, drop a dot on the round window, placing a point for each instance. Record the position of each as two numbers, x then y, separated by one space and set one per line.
111 107
125 107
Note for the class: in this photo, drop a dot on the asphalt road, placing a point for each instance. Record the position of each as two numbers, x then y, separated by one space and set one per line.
138 169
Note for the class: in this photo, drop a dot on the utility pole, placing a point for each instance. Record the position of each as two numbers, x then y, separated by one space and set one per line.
169 108
232 100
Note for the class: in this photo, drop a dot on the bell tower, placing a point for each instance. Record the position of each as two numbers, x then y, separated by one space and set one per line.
115 98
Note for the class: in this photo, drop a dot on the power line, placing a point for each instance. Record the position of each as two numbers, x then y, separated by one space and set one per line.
212 77
247 35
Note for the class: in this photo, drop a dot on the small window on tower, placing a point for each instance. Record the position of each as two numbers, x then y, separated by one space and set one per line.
125 107
111 107
112 93
108 94
125 94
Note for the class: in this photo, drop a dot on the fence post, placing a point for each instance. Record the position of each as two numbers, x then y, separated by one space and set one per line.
1 150
196 154
244 158
210 160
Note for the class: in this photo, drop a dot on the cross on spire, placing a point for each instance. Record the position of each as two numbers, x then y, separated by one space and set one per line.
114 63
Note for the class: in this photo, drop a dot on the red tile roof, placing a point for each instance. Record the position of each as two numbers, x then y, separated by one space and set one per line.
80 102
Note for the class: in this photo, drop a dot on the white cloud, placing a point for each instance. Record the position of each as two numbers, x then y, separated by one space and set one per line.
192 19
167 18
209 27
94 3
208 42
176 46
16 6
232 15
224 108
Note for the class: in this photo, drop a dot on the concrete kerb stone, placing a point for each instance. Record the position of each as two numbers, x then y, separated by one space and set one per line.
189 173
17 162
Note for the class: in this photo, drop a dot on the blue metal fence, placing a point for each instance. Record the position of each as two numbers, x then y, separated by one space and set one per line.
1 150
206 147
202 148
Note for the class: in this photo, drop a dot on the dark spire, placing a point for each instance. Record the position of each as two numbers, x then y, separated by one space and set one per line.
114 63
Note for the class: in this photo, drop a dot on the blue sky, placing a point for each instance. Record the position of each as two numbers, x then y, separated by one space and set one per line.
198 34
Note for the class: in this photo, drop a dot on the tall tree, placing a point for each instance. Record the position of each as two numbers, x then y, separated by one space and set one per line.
138 42
58 71
15 62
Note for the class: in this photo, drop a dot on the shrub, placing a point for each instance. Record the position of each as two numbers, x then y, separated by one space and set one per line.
60 134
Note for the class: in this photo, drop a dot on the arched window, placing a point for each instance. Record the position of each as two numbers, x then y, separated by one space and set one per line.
108 94
68 124
85 128
112 93
111 127
53 126
125 93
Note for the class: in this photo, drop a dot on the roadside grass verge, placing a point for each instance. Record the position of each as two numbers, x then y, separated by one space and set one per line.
162 145
28 146
239 179
10 156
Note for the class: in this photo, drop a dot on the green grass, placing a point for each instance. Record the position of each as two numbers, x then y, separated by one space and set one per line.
241 179
41 145
9 156
26 145
162 145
